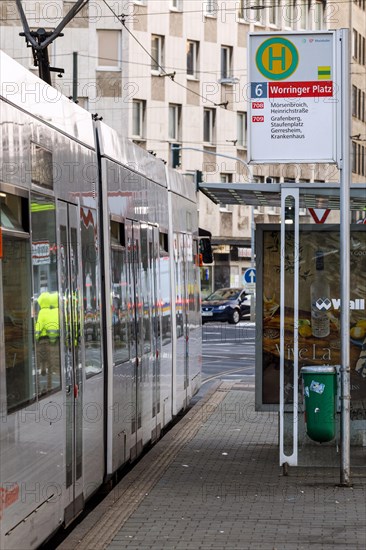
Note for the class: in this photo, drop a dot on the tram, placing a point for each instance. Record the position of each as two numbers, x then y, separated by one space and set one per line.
100 337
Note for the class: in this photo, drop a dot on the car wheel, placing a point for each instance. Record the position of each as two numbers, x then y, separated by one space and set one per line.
234 317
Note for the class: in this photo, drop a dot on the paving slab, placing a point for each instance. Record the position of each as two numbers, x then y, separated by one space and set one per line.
214 482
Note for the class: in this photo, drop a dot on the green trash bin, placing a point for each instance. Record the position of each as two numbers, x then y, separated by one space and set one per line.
320 390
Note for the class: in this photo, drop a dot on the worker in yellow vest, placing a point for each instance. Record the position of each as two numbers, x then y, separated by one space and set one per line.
47 333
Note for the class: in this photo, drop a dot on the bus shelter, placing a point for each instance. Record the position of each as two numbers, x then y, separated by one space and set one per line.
298 314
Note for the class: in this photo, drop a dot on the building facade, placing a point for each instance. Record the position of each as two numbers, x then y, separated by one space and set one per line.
168 73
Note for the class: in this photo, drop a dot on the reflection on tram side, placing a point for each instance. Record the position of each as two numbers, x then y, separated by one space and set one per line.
100 336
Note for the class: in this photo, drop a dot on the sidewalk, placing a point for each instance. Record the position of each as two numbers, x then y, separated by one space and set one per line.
213 482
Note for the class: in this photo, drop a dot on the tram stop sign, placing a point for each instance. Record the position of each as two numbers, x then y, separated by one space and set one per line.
293 97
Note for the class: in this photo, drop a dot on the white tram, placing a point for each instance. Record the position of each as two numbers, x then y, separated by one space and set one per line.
100 337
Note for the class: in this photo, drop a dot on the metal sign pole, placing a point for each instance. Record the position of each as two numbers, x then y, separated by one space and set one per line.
292 458
345 179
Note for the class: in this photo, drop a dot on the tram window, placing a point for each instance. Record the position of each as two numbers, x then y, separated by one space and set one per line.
146 294
196 278
91 286
121 352
41 166
191 279
118 233
179 286
163 242
119 307
16 282
165 289
45 294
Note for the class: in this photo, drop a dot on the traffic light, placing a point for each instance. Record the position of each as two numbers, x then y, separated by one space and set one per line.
205 250
176 154
198 178
289 214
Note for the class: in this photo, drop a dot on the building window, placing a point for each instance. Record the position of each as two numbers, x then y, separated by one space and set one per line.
157 52
257 14
358 47
358 159
210 7
304 14
208 125
354 160
358 103
109 49
288 13
176 5
241 129
175 122
354 43
138 118
192 58
354 100
274 10
361 49
319 15
226 62
241 11
41 166
226 178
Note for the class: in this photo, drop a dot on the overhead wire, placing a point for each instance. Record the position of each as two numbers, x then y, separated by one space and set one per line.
239 72
122 19
186 142
179 71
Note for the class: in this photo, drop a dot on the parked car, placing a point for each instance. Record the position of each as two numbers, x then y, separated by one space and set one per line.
226 304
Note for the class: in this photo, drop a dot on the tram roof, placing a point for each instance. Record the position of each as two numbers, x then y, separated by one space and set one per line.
29 93
323 196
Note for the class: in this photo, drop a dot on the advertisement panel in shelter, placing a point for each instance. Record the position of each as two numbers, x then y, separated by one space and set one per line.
319 337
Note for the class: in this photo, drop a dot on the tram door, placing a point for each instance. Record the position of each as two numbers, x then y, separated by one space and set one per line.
69 257
136 332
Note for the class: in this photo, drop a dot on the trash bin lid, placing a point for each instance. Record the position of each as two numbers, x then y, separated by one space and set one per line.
321 369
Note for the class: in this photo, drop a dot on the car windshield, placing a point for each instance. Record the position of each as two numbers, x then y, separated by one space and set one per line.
224 294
